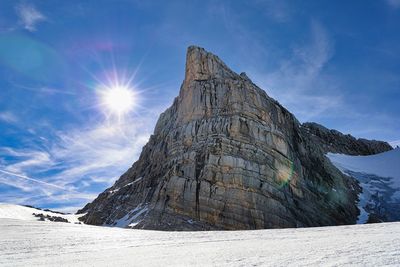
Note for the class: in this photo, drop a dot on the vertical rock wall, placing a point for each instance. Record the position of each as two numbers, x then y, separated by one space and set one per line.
226 156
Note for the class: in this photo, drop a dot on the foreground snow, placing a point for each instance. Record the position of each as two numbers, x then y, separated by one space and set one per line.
379 177
32 243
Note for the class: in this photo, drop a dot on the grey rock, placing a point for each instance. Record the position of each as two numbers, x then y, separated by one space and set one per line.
43 217
225 155
336 142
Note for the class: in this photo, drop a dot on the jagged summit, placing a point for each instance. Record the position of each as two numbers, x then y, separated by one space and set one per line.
203 65
226 156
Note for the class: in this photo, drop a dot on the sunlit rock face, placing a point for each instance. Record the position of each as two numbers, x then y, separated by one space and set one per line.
227 156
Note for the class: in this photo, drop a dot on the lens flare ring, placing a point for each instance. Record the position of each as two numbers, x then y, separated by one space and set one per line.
285 173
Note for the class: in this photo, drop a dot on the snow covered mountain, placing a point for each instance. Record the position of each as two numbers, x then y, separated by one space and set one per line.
10 211
379 177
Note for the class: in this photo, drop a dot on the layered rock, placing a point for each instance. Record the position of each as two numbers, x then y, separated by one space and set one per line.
336 142
226 156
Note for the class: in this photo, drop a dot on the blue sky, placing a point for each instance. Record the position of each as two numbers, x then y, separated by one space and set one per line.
333 62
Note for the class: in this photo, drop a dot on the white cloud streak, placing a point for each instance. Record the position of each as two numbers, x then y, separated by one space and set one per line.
393 3
246 39
75 160
43 89
395 143
29 16
278 11
299 83
105 147
31 179
303 85
8 117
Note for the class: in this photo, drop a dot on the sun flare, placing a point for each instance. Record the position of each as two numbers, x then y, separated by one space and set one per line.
118 99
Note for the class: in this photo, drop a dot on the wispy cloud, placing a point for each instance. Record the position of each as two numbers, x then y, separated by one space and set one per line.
393 3
246 40
304 86
29 16
76 164
8 117
278 11
102 150
395 143
31 179
29 158
299 83
42 89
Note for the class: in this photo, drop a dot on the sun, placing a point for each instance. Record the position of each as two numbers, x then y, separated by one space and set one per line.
118 100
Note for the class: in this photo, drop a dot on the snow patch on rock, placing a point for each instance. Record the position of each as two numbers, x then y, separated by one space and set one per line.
132 218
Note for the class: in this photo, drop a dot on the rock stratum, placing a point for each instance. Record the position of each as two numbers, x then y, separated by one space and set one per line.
225 155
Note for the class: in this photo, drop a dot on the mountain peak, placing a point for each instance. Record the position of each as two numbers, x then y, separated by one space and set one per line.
227 156
203 65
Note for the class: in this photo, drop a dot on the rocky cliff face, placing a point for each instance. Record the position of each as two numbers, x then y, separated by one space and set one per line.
336 142
226 156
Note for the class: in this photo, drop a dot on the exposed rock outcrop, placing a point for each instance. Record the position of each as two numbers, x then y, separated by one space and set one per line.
226 156
336 142
43 217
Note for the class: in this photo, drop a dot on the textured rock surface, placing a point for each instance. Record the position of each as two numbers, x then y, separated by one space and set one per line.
336 142
226 156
